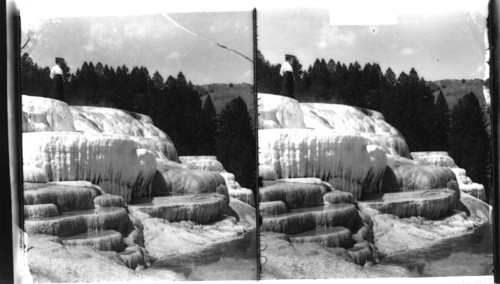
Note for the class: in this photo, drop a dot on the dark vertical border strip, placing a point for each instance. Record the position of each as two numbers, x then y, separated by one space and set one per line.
494 91
256 135
6 237
15 127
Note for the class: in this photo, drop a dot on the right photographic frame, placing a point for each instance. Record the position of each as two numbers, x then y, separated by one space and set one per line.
375 141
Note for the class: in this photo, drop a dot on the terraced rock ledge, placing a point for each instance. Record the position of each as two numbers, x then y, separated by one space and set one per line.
106 240
327 236
201 208
431 204
305 219
77 222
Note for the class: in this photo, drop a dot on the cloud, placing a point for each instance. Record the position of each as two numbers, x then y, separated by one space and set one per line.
174 55
408 51
248 75
105 36
480 70
89 47
333 35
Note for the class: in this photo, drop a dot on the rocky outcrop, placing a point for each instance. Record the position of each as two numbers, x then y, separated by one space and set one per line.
44 114
81 263
267 208
431 204
114 121
208 163
235 190
411 175
310 260
347 119
300 208
243 212
115 163
306 219
104 240
442 159
77 222
172 239
109 200
437 158
297 153
65 197
294 195
182 182
475 209
327 236
137 126
337 196
201 209
77 213
40 210
279 112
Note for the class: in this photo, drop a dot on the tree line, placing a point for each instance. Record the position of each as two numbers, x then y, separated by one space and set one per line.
173 104
406 101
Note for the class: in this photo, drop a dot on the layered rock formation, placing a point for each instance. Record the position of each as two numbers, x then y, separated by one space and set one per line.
67 211
442 159
373 188
299 210
100 178
116 163
210 163
331 142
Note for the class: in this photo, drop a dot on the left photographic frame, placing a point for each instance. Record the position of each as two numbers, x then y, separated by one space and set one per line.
138 146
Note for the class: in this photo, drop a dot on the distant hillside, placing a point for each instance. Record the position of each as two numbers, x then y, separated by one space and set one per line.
454 90
222 94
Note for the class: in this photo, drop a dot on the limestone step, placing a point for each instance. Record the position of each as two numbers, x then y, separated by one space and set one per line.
209 163
242 194
432 204
40 210
294 194
109 200
66 197
177 181
306 219
77 222
105 240
269 208
200 208
337 196
327 236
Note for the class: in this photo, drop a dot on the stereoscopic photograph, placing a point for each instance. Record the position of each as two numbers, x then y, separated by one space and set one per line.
281 142
138 146
375 141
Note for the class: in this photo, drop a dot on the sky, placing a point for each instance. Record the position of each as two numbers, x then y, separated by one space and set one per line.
442 39
148 39
440 44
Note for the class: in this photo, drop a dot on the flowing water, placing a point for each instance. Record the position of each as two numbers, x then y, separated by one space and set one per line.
468 255
234 260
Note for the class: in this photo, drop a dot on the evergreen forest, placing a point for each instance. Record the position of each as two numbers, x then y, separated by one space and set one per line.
174 104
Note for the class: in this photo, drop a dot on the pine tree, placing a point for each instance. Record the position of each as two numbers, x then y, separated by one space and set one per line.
468 142
236 145
208 133
268 77
35 81
441 129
